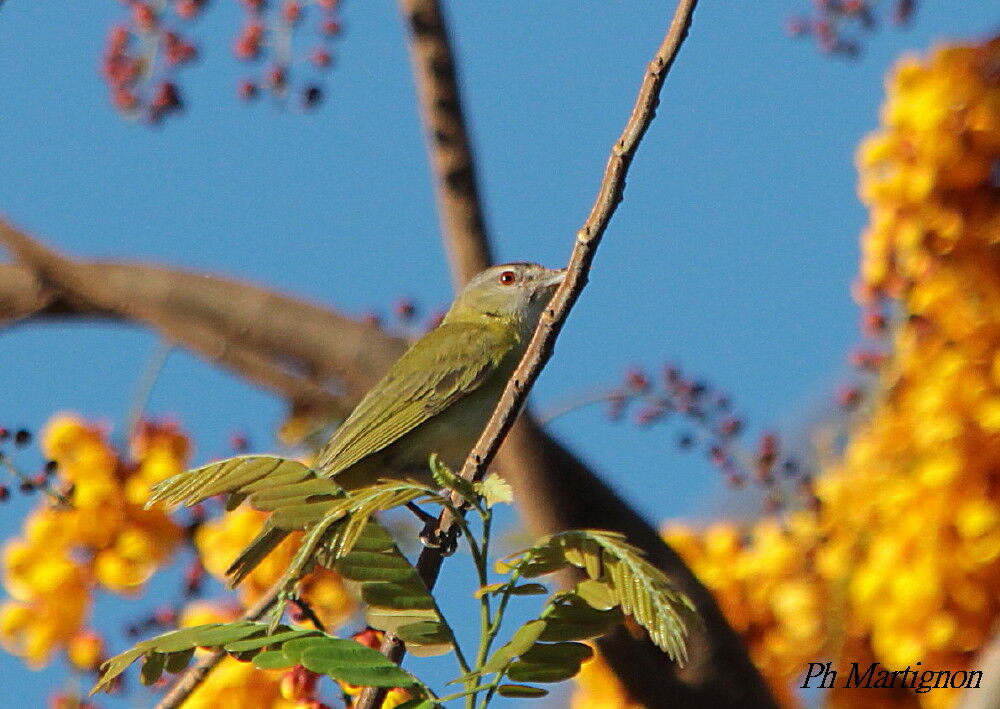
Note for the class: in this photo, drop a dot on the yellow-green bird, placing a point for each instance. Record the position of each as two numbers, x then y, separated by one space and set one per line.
436 398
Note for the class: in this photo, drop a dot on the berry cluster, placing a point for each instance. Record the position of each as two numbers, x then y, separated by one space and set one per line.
836 25
268 35
27 483
143 54
710 426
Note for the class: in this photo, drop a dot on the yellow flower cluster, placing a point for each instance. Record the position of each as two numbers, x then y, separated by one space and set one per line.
221 541
912 514
902 562
105 539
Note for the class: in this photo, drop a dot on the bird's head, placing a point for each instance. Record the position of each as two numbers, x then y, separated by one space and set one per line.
515 293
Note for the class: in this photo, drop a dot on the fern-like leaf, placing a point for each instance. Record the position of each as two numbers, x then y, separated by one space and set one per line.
342 659
629 581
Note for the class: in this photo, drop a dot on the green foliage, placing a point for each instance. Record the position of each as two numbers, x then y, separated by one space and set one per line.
345 660
394 595
549 662
522 691
618 575
342 534
523 639
358 507
495 490
238 477
446 477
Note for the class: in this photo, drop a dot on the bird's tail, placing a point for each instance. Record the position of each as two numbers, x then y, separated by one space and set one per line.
261 545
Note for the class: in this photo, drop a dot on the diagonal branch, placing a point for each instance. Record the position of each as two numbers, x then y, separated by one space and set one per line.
753 692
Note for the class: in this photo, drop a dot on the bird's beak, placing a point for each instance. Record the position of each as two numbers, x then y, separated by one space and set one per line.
554 278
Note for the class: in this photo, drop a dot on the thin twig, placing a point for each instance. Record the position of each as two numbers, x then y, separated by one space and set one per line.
542 343
196 674
307 612
144 389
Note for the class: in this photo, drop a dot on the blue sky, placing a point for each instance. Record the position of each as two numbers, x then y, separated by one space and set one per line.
732 254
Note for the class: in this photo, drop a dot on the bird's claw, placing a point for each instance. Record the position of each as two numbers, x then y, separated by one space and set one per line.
445 542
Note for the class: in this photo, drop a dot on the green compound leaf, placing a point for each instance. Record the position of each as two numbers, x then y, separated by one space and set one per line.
521 691
570 617
523 638
599 596
232 475
261 641
177 661
425 633
392 590
446 477
621 577
339 658
524 589
529 589
359 505
172 648
549 662
293 649
489 589
152 667
350 661
272 660
419 704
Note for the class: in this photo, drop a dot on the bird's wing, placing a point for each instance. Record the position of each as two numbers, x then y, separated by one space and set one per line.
444 366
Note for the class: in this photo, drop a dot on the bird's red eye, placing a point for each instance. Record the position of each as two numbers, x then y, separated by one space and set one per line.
508 278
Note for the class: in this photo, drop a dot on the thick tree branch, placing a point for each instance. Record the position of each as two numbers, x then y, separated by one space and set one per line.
456 187
319 360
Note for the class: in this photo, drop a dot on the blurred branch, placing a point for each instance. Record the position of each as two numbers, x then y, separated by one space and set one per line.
456 187
319 360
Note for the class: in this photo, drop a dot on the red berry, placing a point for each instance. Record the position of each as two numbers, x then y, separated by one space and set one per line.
636 380
124 99
144 16
404 309
276 77
331 28
291 12
730 426
321 58
188 9
247 90
239 443
117 39
247 45
849 398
